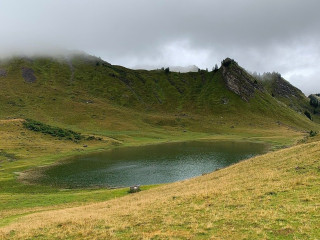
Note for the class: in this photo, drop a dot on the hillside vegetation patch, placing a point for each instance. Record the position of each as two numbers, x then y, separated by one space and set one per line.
53 131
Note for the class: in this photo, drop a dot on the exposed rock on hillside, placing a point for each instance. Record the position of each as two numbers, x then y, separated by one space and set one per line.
3 73
281 87
28 75
283 91
238 80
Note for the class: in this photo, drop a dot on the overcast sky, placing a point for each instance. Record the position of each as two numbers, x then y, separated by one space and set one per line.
265 35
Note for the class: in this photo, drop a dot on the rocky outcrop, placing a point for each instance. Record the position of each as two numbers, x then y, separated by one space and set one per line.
281 87
28 75
3 73
238 80
284 91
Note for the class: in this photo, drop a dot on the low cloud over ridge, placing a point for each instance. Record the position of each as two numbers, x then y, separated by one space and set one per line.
262 36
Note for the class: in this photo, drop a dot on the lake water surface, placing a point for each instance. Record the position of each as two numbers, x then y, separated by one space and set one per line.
152 164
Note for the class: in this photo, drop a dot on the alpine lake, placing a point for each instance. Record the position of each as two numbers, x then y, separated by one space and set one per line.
146 165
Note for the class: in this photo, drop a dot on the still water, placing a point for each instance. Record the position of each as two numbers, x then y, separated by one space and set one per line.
151 164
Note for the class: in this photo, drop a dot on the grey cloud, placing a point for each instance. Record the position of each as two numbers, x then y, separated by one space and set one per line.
266 35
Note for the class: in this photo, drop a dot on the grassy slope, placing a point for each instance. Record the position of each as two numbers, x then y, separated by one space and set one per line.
274 196
123 107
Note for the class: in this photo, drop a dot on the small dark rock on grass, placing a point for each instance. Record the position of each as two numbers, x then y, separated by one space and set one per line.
134 189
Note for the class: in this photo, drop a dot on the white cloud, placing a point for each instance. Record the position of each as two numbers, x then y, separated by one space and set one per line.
177 53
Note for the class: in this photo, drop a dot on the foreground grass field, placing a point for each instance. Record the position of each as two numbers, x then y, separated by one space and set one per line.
273 196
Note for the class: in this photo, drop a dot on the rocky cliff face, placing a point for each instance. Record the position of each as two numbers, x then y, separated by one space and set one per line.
238 80
246 86
283 91
280 87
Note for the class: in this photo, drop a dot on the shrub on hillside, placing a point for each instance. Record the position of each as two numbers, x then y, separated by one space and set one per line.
228 61
314 101
308 115
53 131
313 133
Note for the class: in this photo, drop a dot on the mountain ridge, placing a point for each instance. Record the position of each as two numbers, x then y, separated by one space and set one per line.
82 79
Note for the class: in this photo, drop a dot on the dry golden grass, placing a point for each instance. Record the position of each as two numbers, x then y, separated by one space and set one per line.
273 196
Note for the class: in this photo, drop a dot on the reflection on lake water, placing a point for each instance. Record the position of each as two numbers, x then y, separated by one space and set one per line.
151 164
